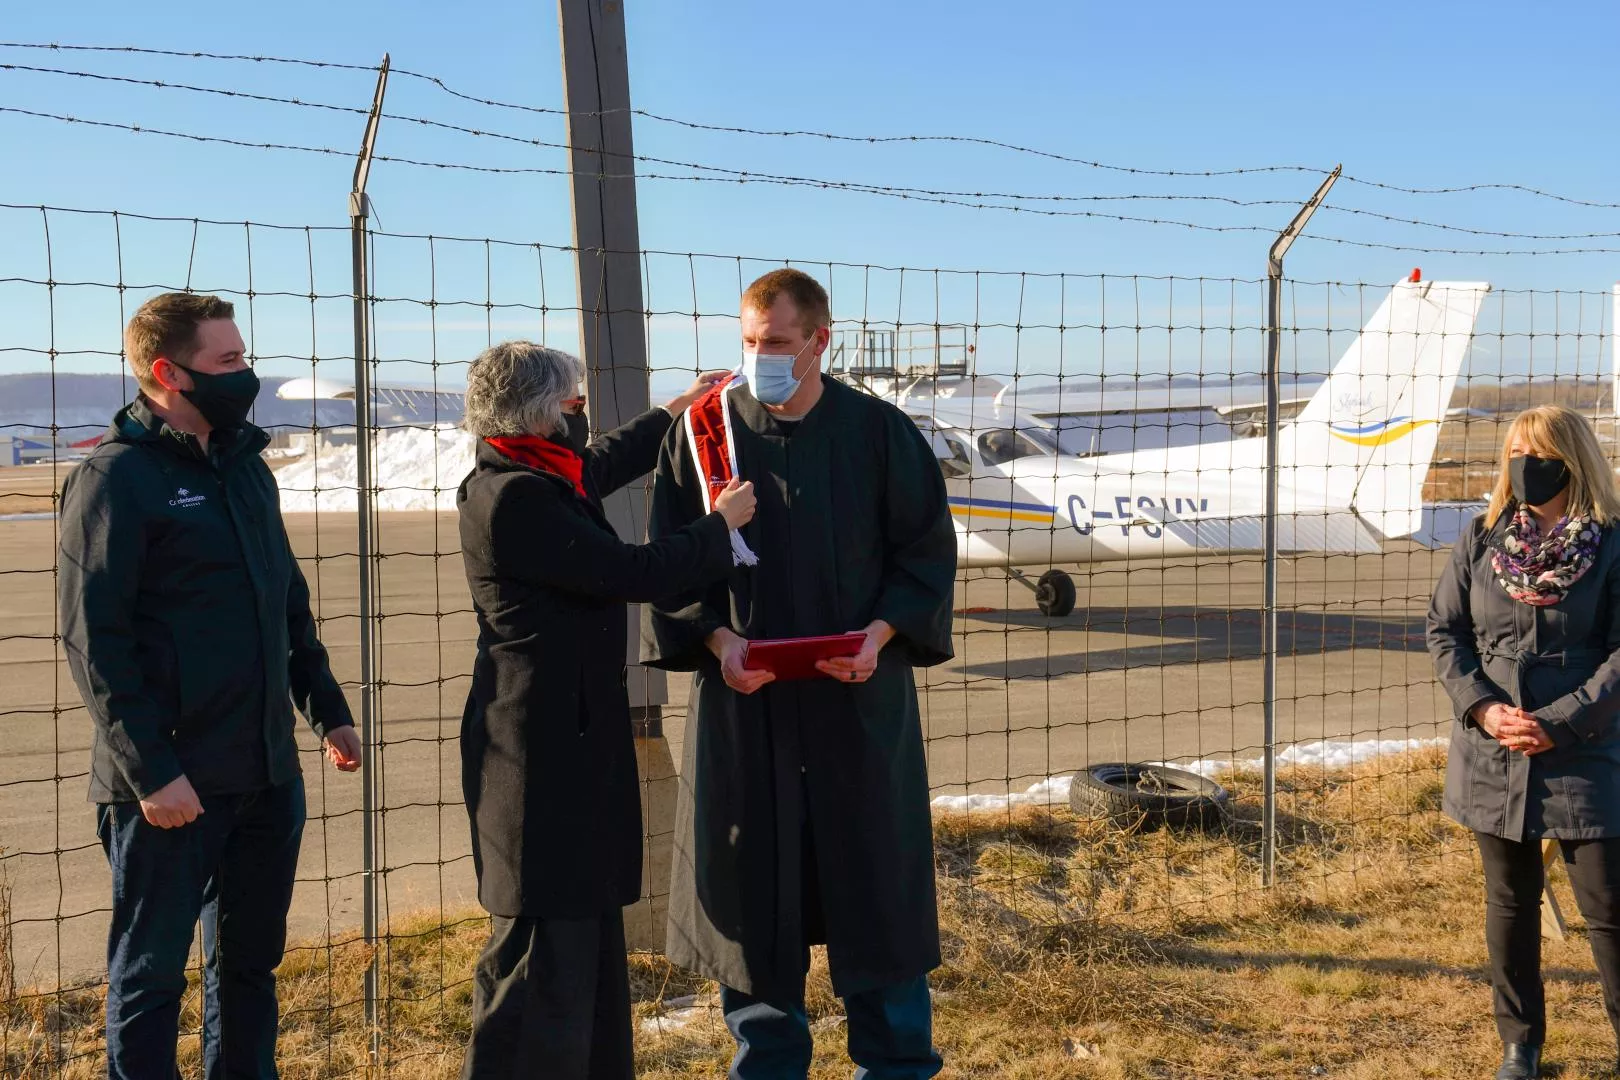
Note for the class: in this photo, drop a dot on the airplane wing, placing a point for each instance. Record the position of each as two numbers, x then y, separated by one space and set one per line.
1331 531
1444 522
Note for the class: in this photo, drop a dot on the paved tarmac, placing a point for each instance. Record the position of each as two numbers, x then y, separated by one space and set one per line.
1159 660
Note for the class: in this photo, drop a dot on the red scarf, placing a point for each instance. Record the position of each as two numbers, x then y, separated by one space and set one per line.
545 455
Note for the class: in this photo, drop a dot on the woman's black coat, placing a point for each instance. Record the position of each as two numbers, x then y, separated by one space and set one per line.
548 761
1558 662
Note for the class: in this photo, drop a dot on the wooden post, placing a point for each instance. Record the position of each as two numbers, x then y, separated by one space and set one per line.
612 320
596 89
1552 919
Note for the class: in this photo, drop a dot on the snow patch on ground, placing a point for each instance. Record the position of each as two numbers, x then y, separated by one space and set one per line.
417 469
677 1013
1325 754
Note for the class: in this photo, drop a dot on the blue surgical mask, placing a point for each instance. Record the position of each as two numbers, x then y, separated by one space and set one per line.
770 376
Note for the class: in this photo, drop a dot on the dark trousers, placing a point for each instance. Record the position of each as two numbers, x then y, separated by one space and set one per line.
1513 885
551 998
890 1035
233 868
891 1029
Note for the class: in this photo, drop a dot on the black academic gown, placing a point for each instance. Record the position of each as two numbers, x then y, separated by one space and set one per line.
852 525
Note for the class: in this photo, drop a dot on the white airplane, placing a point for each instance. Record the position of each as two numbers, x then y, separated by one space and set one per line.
1352 463
1353 460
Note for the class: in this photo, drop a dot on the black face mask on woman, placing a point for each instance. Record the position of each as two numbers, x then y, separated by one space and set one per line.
1537 481
576 432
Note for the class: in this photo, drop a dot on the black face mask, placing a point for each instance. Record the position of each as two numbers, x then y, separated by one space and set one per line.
577 434
1536 480
224 400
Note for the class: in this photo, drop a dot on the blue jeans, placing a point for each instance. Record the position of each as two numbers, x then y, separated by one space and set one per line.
233 868
890 1035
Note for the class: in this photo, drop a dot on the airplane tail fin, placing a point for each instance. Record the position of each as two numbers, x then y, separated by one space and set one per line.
1366 438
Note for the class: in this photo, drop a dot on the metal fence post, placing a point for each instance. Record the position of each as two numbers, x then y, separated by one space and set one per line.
1268 624
359 212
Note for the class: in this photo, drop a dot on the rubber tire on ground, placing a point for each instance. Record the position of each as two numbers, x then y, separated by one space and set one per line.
1054 593
1151 794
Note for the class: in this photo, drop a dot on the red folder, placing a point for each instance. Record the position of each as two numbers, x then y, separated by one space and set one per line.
795 658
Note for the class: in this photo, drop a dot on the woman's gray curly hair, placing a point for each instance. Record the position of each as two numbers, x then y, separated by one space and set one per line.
518 387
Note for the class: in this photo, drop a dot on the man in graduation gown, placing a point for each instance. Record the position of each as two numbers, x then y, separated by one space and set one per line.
803 815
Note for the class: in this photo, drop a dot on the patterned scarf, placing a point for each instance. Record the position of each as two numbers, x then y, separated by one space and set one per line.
1539 570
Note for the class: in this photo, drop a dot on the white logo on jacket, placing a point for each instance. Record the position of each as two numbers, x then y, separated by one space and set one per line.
184 497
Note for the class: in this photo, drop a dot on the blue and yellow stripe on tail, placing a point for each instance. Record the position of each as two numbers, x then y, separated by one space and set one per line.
998 510
1379 433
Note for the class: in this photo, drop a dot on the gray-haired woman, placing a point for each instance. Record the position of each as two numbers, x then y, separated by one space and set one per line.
548 760
1525 634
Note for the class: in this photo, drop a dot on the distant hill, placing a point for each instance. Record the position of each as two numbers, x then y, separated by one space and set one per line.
82 405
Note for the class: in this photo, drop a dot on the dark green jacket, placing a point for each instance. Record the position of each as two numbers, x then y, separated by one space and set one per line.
184 615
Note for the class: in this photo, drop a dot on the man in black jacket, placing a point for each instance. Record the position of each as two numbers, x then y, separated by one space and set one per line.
187 627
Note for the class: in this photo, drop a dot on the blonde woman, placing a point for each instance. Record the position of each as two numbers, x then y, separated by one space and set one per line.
1524 629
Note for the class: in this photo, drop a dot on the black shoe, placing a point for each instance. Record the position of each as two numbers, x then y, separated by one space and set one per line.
1520 1061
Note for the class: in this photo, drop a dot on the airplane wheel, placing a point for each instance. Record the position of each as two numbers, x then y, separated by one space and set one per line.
1054 593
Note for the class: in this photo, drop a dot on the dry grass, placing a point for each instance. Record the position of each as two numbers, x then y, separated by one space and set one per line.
1073 950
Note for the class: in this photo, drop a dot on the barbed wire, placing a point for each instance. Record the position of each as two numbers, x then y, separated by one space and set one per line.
729 176
971 140
190 54
546 144
860 186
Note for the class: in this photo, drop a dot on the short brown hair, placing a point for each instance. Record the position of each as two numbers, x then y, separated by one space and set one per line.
805 291
166 326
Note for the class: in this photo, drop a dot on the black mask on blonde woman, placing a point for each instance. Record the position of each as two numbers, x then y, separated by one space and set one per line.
1537 480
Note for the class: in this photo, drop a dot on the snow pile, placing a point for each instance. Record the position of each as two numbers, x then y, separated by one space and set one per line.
1053 791
674 1014
417 469
1323 754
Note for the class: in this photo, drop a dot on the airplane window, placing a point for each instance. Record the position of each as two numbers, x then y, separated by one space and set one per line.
951 454
1004 444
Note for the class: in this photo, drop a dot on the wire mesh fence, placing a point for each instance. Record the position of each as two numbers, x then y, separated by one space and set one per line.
1100 439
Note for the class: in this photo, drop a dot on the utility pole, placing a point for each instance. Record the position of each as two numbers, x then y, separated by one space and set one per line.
596 89
607 242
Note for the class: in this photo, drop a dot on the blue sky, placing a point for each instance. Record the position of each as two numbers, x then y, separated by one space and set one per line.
1437 94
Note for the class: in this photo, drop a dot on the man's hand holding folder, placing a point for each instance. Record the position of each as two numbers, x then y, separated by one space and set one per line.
850 658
